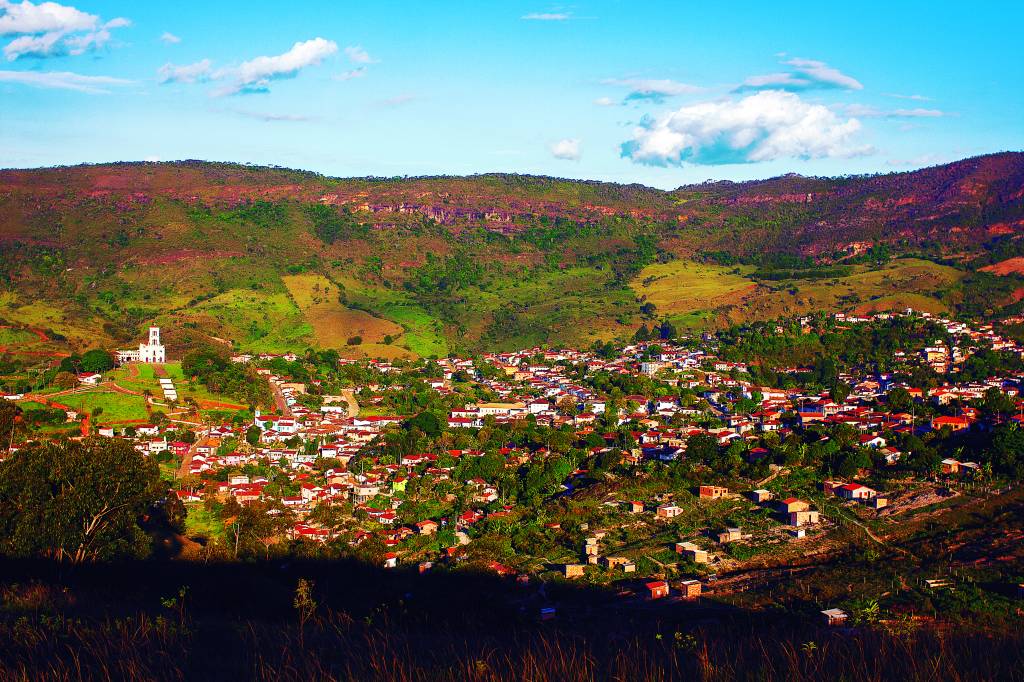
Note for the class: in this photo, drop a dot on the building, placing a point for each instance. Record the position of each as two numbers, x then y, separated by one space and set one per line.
712 492
573 570
803 518
151 352
855 491
669 511
690 589
692 552
656 589
730 535
834 616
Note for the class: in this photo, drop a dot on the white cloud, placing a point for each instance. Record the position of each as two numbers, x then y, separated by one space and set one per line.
63 80
652 89
760 127
262 116
923 160
186 73
397 100
547 16
567 149
350 75
605 102
152 159
49 29
46 17
918 113
823 74
867 111
805 74
255 75
170 38
358 55
918 98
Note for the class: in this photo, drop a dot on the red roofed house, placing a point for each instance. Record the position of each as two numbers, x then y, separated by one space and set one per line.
428 527
954 423
855 491
656 589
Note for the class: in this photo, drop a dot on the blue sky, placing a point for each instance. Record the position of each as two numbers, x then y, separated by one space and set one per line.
662 93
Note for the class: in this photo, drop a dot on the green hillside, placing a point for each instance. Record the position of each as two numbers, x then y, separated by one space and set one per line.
268 259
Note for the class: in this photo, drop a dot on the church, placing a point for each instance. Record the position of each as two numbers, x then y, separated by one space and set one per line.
148 352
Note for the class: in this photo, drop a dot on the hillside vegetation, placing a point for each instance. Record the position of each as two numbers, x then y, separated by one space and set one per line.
270 259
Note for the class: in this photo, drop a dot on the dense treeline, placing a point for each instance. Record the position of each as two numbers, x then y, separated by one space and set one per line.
220 375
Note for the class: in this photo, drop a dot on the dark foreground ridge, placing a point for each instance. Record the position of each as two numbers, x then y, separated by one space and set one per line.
164 620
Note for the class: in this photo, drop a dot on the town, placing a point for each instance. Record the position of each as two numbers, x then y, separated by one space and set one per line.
666 469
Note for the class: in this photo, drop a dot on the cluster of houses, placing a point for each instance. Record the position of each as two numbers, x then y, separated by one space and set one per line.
313 446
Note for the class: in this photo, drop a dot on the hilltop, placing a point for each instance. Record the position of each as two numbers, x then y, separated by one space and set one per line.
273 259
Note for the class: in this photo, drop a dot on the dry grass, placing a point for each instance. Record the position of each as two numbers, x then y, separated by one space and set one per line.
679 287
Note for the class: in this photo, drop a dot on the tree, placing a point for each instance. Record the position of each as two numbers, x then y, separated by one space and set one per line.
567 406
840 392
899 400
997 403
252 435
65 380
1007 451
76 501
9 418
97 360
427 422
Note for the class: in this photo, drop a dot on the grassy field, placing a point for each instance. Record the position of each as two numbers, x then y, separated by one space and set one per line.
333 323
116 406
680 287
10 336
42 314
258 321
141 377
421 332
201 522
697 295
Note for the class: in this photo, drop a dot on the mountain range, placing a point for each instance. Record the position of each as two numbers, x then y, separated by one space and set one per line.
271 259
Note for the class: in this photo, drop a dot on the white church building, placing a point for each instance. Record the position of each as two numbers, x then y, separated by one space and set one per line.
147 352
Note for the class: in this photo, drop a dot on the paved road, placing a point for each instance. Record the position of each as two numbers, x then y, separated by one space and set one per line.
282 404
350 397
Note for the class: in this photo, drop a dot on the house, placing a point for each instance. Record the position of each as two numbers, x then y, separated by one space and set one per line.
803 518
428 527
692 552
760 495
634 507
669 511
792 504
89 379
878 502
625 564
571 571
855 491
390 560
834 616
690 589
730 535
950 466
711 492
953 423
656 589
